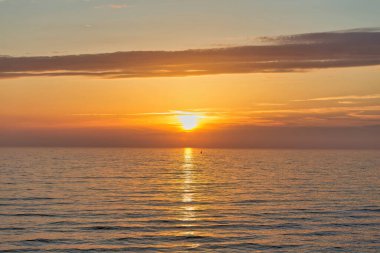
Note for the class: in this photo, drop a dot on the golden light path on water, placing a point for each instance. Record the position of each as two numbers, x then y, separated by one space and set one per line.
187 168
188 209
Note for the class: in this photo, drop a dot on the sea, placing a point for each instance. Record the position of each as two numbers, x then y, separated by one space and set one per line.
189 200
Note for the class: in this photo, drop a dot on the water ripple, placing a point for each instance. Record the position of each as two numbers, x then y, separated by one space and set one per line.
179 200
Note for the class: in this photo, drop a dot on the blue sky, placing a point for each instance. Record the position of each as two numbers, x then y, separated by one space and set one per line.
55 27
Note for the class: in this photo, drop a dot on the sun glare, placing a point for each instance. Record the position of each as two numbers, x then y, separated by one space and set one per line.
188 121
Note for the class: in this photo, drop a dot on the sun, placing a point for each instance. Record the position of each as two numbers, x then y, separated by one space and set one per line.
188 121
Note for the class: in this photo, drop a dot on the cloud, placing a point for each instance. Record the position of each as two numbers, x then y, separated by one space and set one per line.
344 115
353 97
281 54
331 127
270 104
112 6
361 36
118 6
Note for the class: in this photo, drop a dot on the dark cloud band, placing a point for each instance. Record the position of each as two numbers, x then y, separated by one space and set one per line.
281 54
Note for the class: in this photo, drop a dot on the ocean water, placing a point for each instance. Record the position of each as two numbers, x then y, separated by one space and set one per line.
181 200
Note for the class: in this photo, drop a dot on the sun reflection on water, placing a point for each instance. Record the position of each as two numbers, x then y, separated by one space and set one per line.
187 185
188 212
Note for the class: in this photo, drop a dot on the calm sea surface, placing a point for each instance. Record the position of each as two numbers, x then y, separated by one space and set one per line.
178 200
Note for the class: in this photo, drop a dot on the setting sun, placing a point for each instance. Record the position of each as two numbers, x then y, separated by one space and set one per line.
188 121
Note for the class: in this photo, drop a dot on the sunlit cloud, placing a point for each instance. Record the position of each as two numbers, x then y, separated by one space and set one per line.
112 6
353 97
270 104
330 126
118 6
286 115
281 54
346 102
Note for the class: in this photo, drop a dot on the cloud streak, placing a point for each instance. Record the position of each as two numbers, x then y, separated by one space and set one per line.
281 54
353 97
112 6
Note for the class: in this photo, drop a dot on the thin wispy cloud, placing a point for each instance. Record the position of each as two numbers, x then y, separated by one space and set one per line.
118 6
112 6
327 116
288 54
270 104
353 97
352 36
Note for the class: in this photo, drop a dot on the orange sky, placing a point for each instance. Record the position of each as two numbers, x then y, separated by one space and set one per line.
329 97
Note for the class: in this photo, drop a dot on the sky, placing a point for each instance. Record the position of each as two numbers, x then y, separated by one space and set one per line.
252 74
